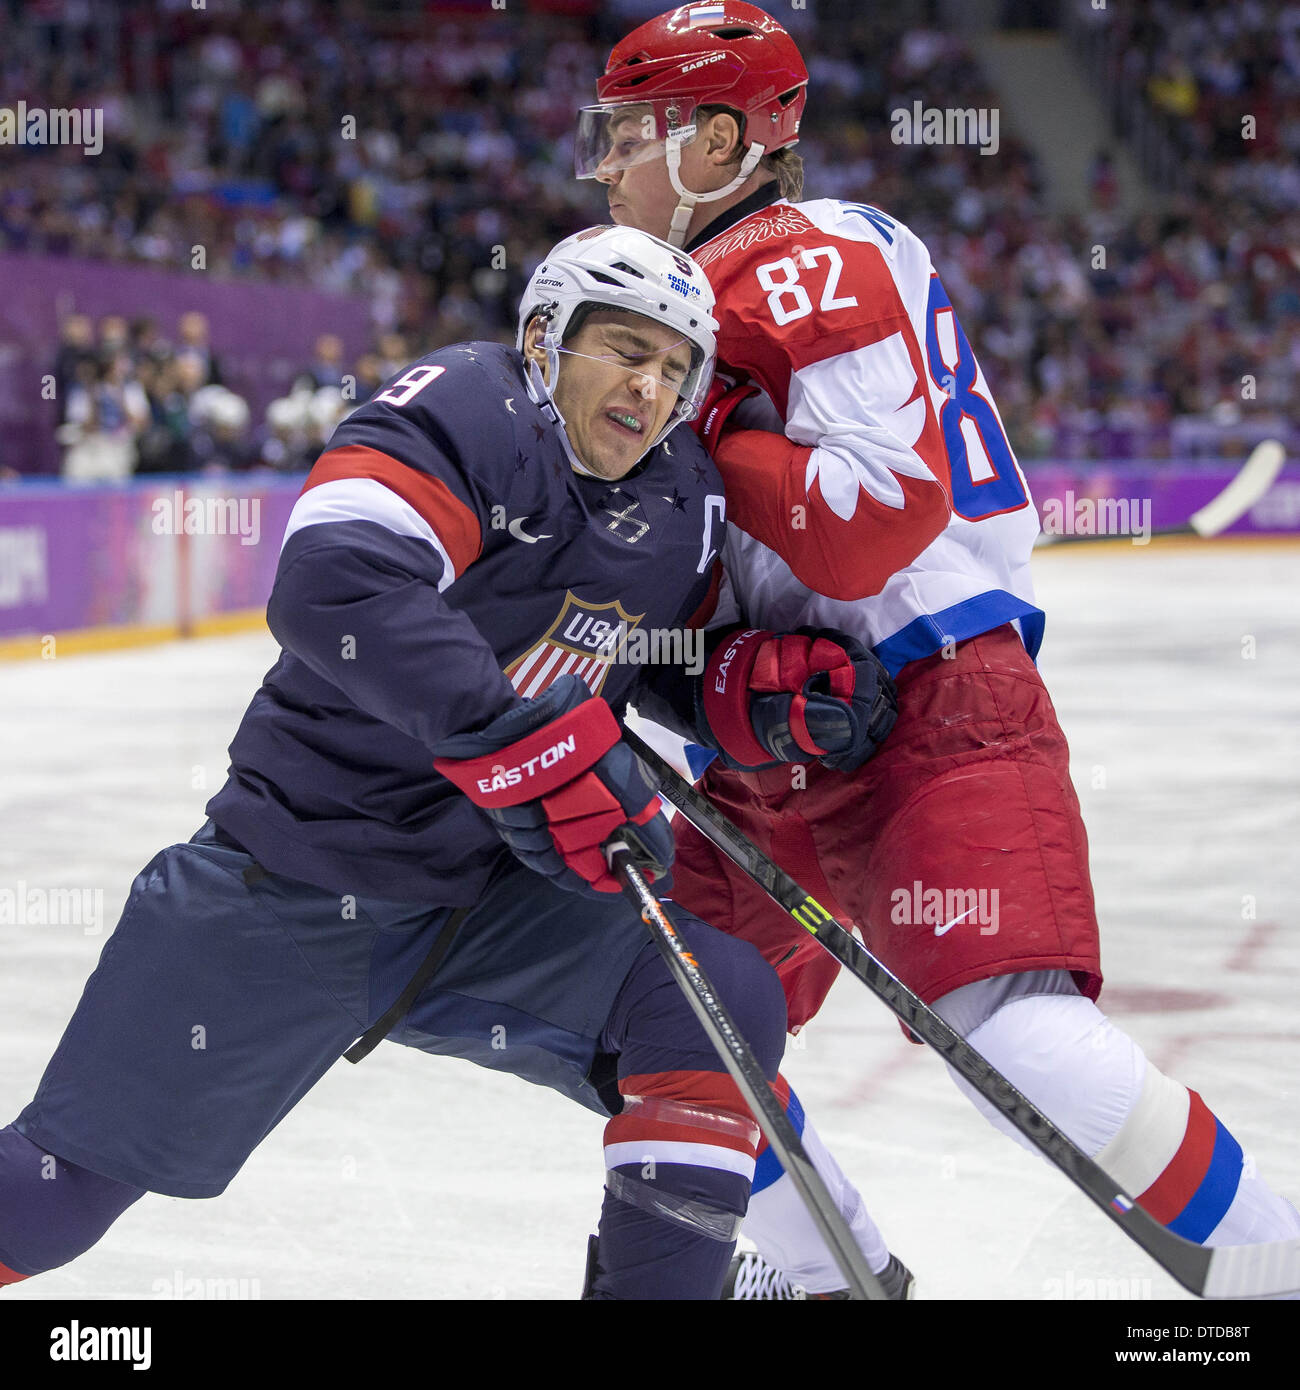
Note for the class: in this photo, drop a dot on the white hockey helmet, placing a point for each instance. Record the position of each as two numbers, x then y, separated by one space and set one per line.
622 268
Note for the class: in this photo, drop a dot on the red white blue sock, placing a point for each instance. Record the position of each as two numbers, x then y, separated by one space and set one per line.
678 1161
778 1221
1188 1172
680 1156
1158 1140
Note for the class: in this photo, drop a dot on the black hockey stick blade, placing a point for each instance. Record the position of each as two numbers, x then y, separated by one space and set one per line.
1257 475
748 1076
1235 1271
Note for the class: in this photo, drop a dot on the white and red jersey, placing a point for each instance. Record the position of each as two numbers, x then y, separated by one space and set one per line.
891 505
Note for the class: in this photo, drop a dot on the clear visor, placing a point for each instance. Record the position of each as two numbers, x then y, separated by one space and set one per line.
616 136
687 392
654 379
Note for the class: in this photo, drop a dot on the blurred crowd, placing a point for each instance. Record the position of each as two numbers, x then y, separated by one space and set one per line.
1102 335
1203 67
1198 317
424 162
355 149
131 400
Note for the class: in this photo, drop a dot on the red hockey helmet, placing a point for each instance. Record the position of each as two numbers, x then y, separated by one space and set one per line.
727 54
724 54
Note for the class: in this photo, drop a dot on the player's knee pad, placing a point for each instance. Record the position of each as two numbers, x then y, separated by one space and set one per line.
690 1163
676 1186
705 1218
1057 1048
745 983
51 1210
652 1024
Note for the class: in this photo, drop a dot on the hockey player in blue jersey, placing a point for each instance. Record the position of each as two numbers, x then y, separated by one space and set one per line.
409 842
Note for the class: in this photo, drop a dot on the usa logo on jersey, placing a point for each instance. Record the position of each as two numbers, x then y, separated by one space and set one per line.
585 640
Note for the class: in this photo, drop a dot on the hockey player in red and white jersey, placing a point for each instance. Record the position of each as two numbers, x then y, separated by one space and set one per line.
871 487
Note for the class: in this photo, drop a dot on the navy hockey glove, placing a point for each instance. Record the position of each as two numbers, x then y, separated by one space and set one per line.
791 697
557 781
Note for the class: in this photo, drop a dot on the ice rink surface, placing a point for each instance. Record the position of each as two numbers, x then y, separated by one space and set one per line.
1176 674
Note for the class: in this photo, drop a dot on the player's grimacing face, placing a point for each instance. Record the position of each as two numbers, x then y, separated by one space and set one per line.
618 384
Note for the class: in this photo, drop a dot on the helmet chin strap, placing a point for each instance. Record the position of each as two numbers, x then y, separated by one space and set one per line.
541 396
682 213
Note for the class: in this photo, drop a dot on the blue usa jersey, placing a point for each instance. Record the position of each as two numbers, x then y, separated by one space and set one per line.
443 562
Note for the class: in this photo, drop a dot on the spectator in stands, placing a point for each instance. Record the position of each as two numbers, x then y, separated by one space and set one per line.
393 354
1103 183
107 412
167 446
372 370
287 443
219 438
1173 88
161 448
147 343
114 336
326 366
76 347
192 335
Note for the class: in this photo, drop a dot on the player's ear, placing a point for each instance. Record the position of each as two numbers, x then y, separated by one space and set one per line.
533 349
722 139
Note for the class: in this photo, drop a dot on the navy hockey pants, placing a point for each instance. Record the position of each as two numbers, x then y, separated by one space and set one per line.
223 996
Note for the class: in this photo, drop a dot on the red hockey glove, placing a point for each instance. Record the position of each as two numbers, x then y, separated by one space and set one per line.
791 697
557 782
724 395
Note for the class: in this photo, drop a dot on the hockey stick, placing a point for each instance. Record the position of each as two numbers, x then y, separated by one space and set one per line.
748 1076
1257 475
1231 1271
